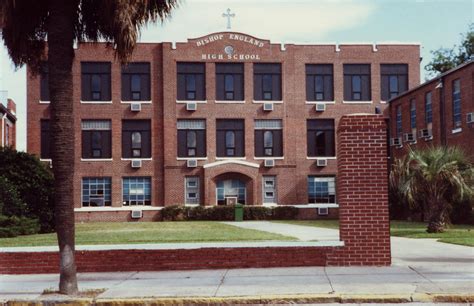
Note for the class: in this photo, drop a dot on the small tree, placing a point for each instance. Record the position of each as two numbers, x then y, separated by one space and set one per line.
434 179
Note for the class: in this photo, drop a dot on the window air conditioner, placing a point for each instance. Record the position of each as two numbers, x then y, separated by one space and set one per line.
136 163
409 137
192 106
320 107
470 117
396 142
321 162
268 107
135 107
269 163
192 163
231 200
426 134
323 211
136 214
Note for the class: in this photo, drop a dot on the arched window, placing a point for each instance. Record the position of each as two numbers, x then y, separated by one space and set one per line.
268 143
135 86
191 143
95 87
230 143
96 144
136 144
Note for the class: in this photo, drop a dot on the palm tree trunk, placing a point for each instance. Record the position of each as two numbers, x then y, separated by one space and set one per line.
60 58
437 222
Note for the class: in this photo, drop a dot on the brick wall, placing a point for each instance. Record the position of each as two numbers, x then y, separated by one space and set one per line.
362 185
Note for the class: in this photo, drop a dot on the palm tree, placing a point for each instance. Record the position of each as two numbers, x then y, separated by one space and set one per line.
25 27
434 179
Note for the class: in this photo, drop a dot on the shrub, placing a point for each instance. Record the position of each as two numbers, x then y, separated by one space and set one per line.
257 213
284 213
12 226
173 213
26 188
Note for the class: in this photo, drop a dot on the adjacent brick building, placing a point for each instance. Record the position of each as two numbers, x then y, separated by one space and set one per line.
8 121
437 112
221 118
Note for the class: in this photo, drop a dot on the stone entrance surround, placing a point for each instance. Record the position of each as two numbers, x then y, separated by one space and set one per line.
364 224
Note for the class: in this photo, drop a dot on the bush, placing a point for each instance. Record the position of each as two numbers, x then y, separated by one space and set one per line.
226 213
14 226
26 188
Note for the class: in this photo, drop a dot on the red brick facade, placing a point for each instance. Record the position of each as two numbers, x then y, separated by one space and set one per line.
444 131
167 171
8 124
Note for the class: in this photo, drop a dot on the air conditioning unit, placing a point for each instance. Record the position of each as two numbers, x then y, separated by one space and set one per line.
136 163
426 134
136 214
323 211
320 107
396 142
231 200
135 107
409 137
470 117
269 163
268 107
192 106
192 163
321 162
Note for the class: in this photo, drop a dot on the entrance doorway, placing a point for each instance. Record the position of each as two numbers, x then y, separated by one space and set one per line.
230 188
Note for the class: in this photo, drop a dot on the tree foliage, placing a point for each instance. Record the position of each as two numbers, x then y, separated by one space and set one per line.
445 59
26 188
434 180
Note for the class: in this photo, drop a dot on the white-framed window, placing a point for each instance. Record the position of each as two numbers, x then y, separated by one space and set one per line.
269 189
96 191
136 191
321 190
192 189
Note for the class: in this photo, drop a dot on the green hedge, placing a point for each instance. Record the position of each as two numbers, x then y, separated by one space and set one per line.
226 213
13 226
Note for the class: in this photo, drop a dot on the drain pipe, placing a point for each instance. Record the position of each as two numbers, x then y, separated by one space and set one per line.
3 129
442 111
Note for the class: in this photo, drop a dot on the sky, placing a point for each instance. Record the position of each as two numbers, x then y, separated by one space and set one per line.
432 23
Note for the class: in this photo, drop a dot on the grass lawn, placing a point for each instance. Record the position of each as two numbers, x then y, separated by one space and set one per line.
148 232
456 234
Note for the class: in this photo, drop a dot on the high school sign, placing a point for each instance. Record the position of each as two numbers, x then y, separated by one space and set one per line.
229 53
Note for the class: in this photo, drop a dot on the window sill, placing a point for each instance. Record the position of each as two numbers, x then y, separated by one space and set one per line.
191 101
138 158
96 159
96 102
383 102
188 158
455 131
44 102
229 102
115 208
357 102
267 101
231 158
269 157
316 158
320 102
191 205
49 160
138 101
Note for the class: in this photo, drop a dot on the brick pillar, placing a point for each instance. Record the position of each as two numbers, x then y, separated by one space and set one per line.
362 188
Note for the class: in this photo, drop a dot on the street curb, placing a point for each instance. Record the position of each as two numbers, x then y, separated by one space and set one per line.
264 299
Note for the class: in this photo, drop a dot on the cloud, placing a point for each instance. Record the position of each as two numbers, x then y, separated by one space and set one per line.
280 21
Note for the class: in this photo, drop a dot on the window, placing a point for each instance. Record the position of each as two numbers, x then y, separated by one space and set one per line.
136 82
96 139
44 82
7 135
399 121
319 82
269 189
268 138
321 190
394 78
95 81
357 82
192 190
267 82
96 191
320 138
413 114
230 138
230 82
136 191
136 138
191 138
230 188
191 81
428 109
457 117
46 141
